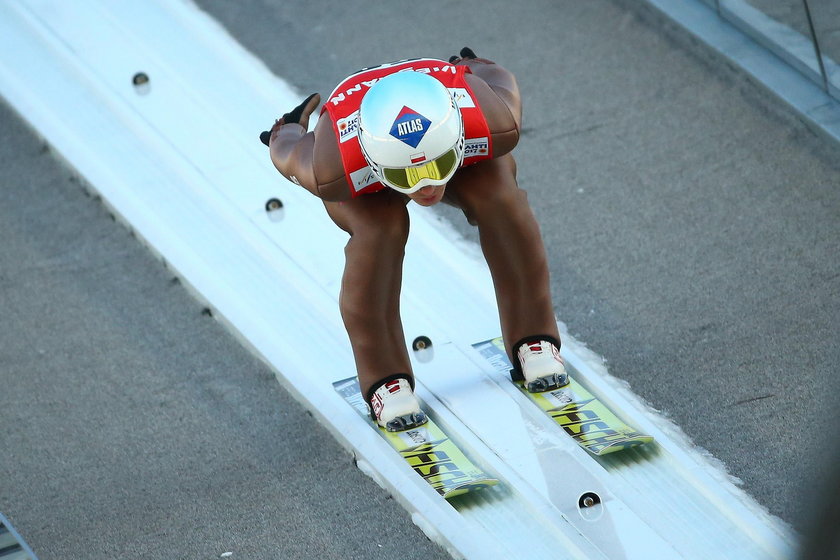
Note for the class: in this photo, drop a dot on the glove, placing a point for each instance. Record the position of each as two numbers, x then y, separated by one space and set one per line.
469 58
466 52
299 115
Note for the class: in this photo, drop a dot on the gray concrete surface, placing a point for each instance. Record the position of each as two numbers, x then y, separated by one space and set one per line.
132 425
692 225
691 219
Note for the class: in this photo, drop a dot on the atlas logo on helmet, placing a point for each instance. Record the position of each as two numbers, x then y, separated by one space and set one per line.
410 127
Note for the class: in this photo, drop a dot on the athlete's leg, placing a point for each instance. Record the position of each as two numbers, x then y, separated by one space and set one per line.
370 288
510 238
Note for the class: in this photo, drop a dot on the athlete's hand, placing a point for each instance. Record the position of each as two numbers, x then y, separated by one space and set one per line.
299 115
466 56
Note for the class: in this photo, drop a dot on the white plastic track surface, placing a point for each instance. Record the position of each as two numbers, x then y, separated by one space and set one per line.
180 163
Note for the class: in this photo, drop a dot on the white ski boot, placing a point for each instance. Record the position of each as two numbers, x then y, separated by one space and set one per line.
394 406
540 365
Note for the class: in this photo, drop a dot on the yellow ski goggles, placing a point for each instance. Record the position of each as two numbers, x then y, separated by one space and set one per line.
411 179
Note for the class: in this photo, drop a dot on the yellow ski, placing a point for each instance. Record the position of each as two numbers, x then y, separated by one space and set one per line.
581 415
427 449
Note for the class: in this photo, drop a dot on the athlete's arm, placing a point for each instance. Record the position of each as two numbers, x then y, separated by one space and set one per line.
498 96
502 82
308 158
291 152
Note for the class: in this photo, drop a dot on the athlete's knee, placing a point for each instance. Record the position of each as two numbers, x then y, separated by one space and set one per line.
387 224
393 225
504 198
510 197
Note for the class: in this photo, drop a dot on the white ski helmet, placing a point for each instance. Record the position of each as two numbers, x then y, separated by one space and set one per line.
411 131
